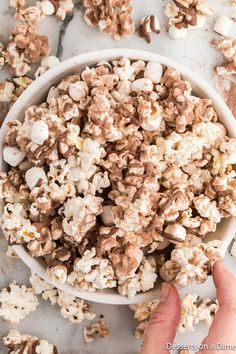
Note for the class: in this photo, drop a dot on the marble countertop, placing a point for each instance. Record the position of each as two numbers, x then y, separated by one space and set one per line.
67 39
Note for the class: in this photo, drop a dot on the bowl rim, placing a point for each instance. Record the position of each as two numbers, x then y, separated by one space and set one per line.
50 77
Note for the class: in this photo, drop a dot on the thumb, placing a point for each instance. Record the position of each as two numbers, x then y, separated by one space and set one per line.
223 328
163 322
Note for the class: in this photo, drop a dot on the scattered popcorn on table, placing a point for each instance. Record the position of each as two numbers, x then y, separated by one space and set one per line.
109 16
117 178
186 14
194 310
27 344
17 302
97 329
227 46
149 24
74 309
144 310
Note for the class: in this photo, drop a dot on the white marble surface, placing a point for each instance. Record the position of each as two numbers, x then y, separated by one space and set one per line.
196 53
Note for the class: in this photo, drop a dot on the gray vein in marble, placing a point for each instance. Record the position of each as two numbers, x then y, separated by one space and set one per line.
62 32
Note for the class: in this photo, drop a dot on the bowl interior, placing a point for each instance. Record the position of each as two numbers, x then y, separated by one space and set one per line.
36 93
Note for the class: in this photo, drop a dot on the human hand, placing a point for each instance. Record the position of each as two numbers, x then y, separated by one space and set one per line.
165 319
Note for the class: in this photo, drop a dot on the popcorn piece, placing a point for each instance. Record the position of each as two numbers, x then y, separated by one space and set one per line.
207 209
144 310
35 175
25 343
72 308
91 273
193 262
57 273
227 46
196 309
13 156
142 281
177 33
114 18
149 24
141 330
63 8
100 329
80 215
39 132
17 302
223 25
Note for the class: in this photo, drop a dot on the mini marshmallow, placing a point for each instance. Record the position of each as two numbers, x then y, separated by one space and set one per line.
142 85
175 233
153 124
201 21
78 90
13 155
39 132
33 175
107 216
49 62
177 33
233 249
223 25
47 7
153 71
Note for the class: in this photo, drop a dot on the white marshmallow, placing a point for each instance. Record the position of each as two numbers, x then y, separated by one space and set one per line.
78 90
223 25
177 33
152 124
107 216
175 233
47 7
233 249
33 175
39 132
142 85
49 62
153 71
13 155
201 21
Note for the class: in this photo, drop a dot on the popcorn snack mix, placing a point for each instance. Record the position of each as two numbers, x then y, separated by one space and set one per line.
117 178
26 344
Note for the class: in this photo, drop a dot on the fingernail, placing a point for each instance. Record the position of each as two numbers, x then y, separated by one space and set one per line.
165 291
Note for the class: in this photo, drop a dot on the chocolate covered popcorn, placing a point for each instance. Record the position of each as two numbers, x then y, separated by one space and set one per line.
25 343
186 14
227 46
117 177
94 330
112 17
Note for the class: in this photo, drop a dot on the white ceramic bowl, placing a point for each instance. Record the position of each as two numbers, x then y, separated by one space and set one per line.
36 93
